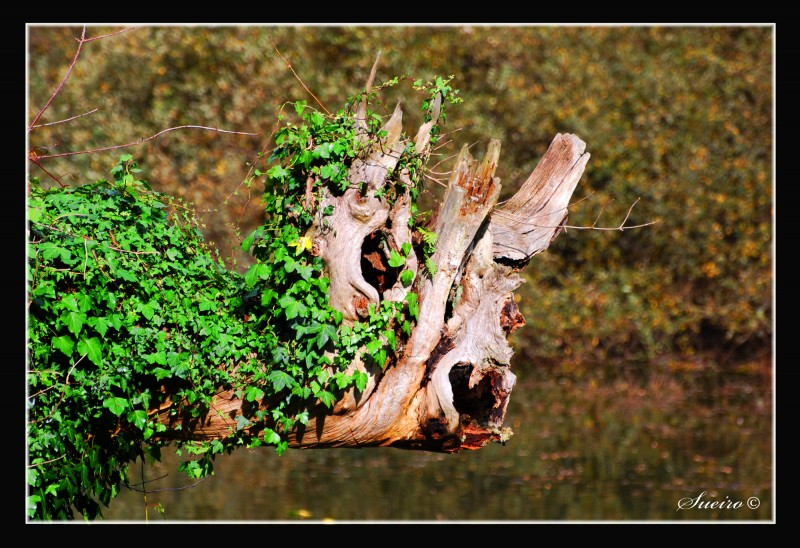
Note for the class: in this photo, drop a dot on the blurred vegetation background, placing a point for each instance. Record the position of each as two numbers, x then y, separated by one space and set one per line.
680 117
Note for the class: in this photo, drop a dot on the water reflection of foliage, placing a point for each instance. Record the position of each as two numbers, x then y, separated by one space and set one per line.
610 443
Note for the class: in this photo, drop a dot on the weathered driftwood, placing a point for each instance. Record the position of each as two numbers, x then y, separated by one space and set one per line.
450 387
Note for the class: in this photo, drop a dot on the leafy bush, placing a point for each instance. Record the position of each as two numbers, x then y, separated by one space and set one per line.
132 315
127 297
680 117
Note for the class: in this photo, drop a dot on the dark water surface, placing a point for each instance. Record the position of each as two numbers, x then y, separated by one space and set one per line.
621 443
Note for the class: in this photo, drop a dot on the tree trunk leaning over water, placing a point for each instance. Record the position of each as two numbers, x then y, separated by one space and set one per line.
450 387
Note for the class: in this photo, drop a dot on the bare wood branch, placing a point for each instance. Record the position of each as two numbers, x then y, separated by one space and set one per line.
141 141
33 158
450 385
289 66
361 111
81 41
521 221
84 40
63 392
66 120
545 195
63 80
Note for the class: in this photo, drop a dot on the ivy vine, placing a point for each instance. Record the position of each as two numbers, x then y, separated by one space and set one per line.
130 313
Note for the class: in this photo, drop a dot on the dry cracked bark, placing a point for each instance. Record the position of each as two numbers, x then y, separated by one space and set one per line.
450 387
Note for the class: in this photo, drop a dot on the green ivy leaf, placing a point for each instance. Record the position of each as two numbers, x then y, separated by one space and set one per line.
44 289
413 306
34 214
431 266
396 260
328 332
305 271
247 243
292 308
49 250
360 379
74 321
406 277
138 418
64 343
267 296
373 346
173 253
326 398
242 422
277 172
390 338
380 357
159 357
84 302
148 310
251 276
33 504
93 348
280 380
100 323
253 393
116 405
271 437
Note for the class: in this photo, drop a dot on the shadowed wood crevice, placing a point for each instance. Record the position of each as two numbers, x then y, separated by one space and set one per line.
449 385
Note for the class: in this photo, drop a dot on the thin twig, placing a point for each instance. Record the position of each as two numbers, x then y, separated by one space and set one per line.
71 215
289 65
619 228
253 165
134 252
107 35
67 120
576 202
47 461
33 158
443 161
66 383
63 81
435 180
81 41
139 142
439 172
448 133
594 224
440 146
629 211
519 220
168 488
86 255
148 481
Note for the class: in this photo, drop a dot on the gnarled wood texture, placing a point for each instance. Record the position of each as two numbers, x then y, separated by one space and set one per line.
450 387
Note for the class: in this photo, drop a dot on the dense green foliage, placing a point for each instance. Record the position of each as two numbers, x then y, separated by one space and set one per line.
130 312
679 116
124 298
124 290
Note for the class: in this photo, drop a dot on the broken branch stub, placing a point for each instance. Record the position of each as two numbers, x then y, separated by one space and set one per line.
449 385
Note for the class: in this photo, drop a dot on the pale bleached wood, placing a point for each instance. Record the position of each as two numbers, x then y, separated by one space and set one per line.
528 222
450 386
